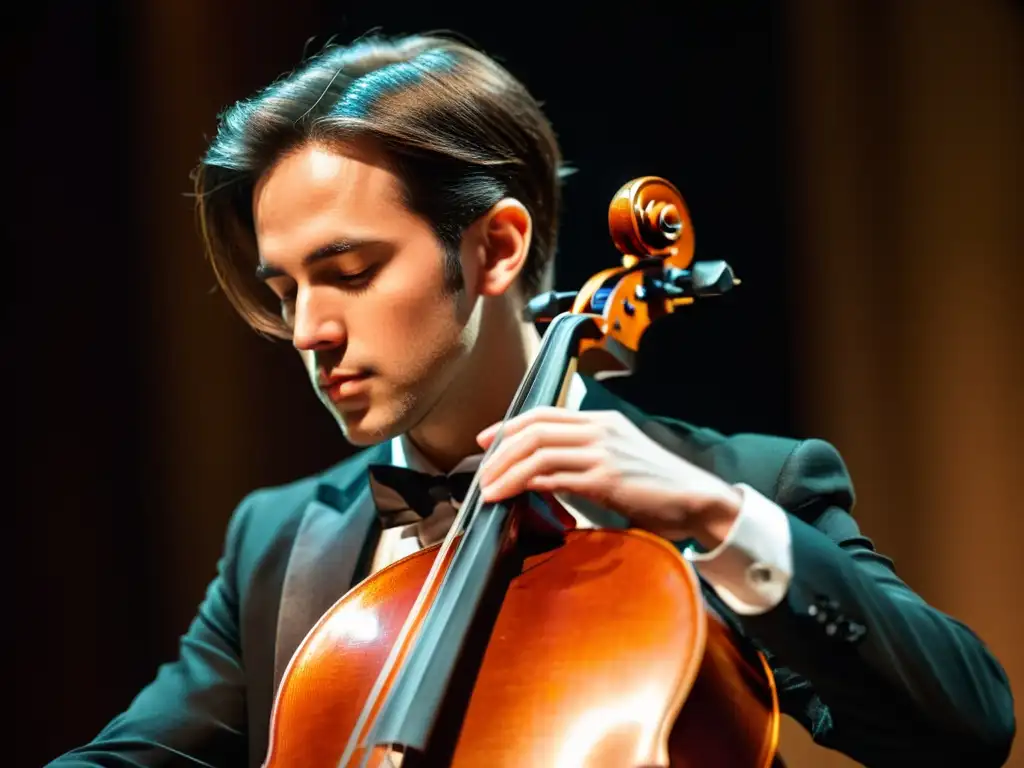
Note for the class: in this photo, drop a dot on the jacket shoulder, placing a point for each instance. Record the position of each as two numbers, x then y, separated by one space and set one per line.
794 472
754 458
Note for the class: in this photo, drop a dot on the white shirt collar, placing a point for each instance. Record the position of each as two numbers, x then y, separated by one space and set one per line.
405 454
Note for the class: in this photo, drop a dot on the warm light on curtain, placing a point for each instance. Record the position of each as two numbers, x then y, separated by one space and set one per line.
907 123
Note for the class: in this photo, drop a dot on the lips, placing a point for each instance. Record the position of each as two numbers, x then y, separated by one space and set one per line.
345 387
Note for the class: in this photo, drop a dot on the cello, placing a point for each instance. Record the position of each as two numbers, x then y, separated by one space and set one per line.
521 640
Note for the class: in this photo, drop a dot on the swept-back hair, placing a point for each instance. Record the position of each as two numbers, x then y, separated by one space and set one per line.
458 129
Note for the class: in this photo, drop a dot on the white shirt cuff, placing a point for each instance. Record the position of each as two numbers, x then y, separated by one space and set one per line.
752 568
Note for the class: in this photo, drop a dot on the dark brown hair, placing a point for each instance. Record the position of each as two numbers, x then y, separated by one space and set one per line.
461 131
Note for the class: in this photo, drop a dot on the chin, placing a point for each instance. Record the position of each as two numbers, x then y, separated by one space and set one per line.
360 431
372 425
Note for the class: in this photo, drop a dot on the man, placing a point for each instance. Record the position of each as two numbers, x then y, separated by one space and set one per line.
397 201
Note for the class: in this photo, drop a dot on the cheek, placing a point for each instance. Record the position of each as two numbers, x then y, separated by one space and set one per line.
416 326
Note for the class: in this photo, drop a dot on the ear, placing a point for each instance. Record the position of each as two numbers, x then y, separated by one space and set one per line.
504 235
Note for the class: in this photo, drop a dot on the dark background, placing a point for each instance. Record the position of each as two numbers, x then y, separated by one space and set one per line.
858 164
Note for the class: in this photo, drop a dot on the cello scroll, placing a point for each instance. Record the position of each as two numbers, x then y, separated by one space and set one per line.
650 225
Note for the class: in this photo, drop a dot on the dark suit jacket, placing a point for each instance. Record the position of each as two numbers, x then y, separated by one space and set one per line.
860 660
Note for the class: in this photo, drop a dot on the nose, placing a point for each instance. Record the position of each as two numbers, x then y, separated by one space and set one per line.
317 325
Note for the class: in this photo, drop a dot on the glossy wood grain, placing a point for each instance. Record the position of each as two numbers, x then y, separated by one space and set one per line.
601 654
648 217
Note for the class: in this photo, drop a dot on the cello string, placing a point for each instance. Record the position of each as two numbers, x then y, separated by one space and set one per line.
409 634
468 514
431 592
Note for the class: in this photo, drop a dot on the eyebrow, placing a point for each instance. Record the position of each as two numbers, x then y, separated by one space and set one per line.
266 271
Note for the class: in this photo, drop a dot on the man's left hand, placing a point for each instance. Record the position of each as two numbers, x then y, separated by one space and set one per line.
604 457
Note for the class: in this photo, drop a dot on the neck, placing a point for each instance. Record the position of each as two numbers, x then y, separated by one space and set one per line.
482 390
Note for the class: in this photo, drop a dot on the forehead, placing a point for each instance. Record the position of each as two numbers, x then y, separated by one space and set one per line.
317 191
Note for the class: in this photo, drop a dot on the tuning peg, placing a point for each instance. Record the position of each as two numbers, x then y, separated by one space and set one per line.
712 278
546 306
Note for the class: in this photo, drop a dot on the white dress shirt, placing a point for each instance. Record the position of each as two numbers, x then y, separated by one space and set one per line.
750 570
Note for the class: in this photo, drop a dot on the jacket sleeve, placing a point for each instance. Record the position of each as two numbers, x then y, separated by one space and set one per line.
193 712
868 666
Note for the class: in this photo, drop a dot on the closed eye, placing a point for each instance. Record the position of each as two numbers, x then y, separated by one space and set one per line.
356 280
349 281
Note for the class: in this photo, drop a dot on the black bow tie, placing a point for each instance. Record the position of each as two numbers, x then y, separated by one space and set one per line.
404 496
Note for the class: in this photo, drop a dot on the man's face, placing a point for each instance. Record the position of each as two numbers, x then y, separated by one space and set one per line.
362 284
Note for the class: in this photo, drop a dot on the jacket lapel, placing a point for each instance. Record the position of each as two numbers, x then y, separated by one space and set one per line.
336 534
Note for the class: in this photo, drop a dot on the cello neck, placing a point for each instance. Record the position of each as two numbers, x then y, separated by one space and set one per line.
424 670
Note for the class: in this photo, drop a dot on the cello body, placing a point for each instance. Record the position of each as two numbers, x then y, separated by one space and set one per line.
601 655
